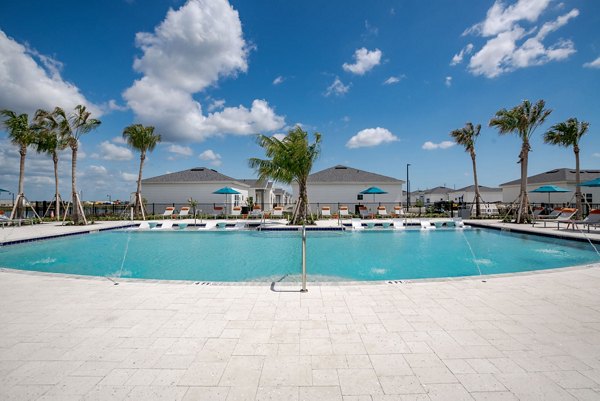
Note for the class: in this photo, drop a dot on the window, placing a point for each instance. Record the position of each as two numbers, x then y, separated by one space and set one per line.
359 197
588 198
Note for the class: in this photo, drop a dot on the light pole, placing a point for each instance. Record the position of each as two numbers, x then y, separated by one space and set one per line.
109 198
407 188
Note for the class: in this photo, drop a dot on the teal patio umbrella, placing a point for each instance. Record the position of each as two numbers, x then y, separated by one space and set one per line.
550 189
374 191
226 191
592 183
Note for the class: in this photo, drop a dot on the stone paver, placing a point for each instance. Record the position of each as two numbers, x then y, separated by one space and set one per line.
521 337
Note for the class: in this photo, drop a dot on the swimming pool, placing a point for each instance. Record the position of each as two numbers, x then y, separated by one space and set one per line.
276 256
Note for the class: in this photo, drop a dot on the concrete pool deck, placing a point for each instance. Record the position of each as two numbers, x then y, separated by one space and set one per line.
512 337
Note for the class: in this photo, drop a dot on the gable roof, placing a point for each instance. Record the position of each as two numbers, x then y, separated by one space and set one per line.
557 175
438 190
482 188
197 175
344 174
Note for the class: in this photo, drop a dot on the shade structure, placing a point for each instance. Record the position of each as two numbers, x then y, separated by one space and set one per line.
374 191
226 191
550 189
592 183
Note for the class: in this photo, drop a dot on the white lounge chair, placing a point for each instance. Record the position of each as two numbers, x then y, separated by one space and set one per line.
325 211
236 211
357 224
363 212
166 225
426 225
256 211
168 212
382 211
398 211
184 212
398 224
210 225
218 211
277 212
344 212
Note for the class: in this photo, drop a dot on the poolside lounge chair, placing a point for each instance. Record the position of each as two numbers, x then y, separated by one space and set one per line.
382 211
363 212
166 225
357 224
592 219
236 211
256 211
426 225
325 211
398 224
5 221
537 211
277 212
218 211
398 211
565 216
184 212
344 212
553 215
210 225
168 212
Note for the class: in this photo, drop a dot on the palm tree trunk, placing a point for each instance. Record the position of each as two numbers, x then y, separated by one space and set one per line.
577 182
523 211
21 199
477 196
138 193
302 200
75 213
56 194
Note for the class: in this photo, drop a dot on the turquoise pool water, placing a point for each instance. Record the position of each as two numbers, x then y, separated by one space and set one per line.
272 256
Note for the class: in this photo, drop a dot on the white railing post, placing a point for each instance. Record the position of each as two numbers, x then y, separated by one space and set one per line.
303 259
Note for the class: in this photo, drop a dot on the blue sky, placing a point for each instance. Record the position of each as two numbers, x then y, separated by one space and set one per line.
384 82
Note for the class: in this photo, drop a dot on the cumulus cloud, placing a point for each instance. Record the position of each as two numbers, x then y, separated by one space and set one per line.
364 61
279 136
119 139
593 64
337 88
129 177
278 80
510 45
110 151
210 156
191 49
442 145
216 104
458 58
31 81
371 137
180 150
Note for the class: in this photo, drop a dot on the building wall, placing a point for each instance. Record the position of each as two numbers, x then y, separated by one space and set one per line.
510 193
180 193
469 196
331 194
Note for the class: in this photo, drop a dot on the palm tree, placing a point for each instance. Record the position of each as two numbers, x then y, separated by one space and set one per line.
21 133
289 160
50 142
143 139
522 120
567 134
71 128
466 137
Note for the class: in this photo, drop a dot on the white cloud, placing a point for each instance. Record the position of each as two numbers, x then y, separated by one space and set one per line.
394 79
510 46
30 81
337 88
191 49
448 81
211 157
593 64
458 58
278 80
364 61
442 145
119 139
216 104
371 137
596 155
279 136
180 150
99 170
112 105
129 177
110 151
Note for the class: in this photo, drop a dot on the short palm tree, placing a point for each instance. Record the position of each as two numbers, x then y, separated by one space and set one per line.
71 128
143 139
21 132
289 160
522 120
466 137
567 134
49 141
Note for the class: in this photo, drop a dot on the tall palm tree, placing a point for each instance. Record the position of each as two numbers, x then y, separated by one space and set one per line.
50 142
143 139
522 120
72 127
568 133
466 137
21 132
289 160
